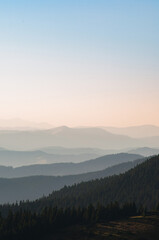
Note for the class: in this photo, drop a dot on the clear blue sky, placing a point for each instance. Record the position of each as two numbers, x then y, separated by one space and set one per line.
80 62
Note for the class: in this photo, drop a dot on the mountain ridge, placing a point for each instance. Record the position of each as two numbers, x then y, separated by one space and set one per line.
72 138
31 188
59 169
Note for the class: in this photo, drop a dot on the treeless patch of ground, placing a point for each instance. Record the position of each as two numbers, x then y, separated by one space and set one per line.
135 228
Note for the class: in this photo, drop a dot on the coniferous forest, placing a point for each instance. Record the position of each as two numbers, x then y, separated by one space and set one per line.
109 199
27 225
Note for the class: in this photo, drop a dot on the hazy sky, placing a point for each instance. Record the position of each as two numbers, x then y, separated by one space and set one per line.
85 62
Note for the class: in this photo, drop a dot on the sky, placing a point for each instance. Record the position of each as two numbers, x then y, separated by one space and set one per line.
80 62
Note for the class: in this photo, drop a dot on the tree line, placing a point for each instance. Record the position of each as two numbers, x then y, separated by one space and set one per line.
23 224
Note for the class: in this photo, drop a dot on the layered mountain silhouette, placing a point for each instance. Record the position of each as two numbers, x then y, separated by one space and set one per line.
60 169
20 158
146 151
142 131
72 138
54 154
31 188
139 185
75 151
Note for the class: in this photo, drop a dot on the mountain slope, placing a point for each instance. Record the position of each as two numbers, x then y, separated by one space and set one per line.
142 131
21 158
74 151
72 138
145 151
31 188
59 169
140 184
65 137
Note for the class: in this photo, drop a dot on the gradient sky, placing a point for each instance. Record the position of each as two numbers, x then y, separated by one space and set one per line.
85 62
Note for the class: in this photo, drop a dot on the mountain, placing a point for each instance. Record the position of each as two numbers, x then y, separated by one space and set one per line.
65 137
142 131
145 151
59 169
72 138
20 158
31 188
76 151
139 185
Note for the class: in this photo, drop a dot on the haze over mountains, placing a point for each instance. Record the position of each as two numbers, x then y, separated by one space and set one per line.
77 80
145 151
59 169
38 159
20 158
53 154
72 138
142 131
76 167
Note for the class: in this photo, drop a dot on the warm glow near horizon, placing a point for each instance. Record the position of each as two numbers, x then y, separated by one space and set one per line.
90 63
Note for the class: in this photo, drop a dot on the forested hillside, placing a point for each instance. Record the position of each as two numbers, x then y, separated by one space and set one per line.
85 204
139 185
31 188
